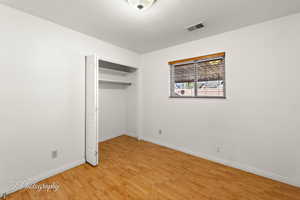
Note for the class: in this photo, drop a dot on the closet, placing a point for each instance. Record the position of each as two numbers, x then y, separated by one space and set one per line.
117 85
111 103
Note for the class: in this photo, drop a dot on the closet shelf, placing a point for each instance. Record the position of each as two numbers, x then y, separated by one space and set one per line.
115 82
116 67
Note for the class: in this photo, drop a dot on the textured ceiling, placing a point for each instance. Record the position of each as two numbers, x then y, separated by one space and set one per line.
161 26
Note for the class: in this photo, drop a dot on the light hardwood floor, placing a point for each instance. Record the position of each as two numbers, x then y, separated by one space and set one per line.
131 169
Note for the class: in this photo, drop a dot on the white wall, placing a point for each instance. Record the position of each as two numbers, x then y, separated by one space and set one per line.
257 126
42 94
133 107
112 111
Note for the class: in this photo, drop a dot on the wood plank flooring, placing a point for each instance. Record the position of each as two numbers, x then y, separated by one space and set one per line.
136 170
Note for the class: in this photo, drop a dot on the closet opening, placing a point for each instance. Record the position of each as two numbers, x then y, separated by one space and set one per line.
115 104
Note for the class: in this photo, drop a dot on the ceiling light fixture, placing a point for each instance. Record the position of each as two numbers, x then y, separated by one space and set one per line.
141 4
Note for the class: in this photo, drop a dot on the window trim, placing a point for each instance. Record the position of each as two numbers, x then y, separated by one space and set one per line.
195 61
222 54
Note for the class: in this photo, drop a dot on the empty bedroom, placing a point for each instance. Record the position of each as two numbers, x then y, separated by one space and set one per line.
149 100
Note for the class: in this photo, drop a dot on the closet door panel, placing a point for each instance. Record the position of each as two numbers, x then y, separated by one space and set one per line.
91 91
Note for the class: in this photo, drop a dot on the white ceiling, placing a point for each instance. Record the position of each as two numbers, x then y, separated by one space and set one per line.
161 26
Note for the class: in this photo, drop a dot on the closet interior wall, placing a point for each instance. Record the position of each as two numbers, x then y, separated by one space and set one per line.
117 104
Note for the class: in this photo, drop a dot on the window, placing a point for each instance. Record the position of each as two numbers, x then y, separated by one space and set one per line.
198 77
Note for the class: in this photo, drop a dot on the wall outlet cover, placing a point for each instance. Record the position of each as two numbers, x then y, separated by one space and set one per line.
54 154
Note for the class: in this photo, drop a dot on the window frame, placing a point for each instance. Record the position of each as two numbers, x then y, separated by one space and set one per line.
195 61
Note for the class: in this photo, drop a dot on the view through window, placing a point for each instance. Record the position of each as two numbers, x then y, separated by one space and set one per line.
199 77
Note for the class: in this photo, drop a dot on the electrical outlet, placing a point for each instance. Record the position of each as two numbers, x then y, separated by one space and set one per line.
160 132
54 154
218 149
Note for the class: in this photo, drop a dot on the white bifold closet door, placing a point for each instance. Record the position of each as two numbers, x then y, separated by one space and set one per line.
91 107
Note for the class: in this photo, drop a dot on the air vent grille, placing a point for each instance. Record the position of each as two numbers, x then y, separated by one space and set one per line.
195 27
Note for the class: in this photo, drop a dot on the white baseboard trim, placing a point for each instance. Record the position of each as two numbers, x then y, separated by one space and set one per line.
131 135
109 137
115 136
232 164
53 172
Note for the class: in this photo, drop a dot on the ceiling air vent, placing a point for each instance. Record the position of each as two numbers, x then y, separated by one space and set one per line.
195 27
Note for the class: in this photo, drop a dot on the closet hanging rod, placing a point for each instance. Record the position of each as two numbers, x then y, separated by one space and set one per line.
115 82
